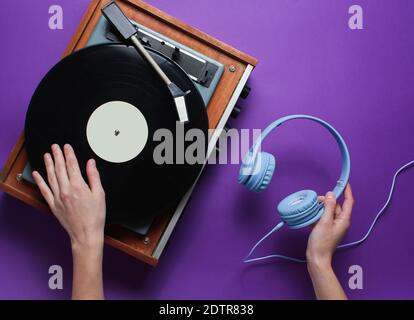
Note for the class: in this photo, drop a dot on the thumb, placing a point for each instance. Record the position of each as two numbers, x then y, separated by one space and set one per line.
93 176
330 204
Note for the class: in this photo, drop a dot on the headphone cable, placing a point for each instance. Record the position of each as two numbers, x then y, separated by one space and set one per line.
247 259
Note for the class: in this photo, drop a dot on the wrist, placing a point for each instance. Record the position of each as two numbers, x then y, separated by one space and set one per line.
317 262
87 270
87 258
87 247
319 270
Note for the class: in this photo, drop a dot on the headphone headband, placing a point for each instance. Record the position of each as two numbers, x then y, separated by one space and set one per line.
346 161
307 210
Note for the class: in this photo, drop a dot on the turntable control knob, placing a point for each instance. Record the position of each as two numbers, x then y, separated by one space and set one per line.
176 54
145 42
236 111
245 92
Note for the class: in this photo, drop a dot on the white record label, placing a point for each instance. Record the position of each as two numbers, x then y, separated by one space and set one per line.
117 131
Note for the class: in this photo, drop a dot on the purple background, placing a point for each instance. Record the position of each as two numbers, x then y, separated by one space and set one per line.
310 62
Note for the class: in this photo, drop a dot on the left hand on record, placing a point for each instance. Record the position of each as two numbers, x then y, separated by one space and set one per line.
79 207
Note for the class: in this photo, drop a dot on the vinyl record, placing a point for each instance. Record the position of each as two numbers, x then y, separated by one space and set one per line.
107 102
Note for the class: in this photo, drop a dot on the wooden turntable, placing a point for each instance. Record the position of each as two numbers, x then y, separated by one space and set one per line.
237 69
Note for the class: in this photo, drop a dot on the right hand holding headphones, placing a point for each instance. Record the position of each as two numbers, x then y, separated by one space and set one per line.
330 229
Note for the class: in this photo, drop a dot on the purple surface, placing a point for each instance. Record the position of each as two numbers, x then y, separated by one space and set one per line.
310 62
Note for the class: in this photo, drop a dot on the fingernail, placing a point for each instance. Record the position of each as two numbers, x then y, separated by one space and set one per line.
93 164
66 146
330 195
54 146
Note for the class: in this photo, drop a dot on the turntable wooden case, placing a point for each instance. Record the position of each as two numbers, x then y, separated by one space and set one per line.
238 67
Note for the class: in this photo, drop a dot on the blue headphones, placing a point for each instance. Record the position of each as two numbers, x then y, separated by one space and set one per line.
301 208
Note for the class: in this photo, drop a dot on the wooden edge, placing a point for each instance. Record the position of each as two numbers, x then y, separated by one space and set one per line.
82 26
166 18
149 259
12 158
143 252
16 193
194 32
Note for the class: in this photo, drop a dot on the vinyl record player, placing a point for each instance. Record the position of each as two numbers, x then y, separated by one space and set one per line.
219 74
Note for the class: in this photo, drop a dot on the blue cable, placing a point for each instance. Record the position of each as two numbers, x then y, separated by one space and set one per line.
342 246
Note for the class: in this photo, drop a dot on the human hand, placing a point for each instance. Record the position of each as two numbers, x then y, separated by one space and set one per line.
330 229
79 207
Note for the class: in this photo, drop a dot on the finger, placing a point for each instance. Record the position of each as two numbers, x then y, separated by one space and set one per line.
60 167
51 174
348 203
93 176
338 211
72 164
44 189
330 204
321 199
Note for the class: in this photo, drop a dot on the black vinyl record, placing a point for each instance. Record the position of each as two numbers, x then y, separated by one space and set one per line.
62 105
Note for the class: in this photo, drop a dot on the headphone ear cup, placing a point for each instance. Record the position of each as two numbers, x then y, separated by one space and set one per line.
245 169
269 166
257 176
300 209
